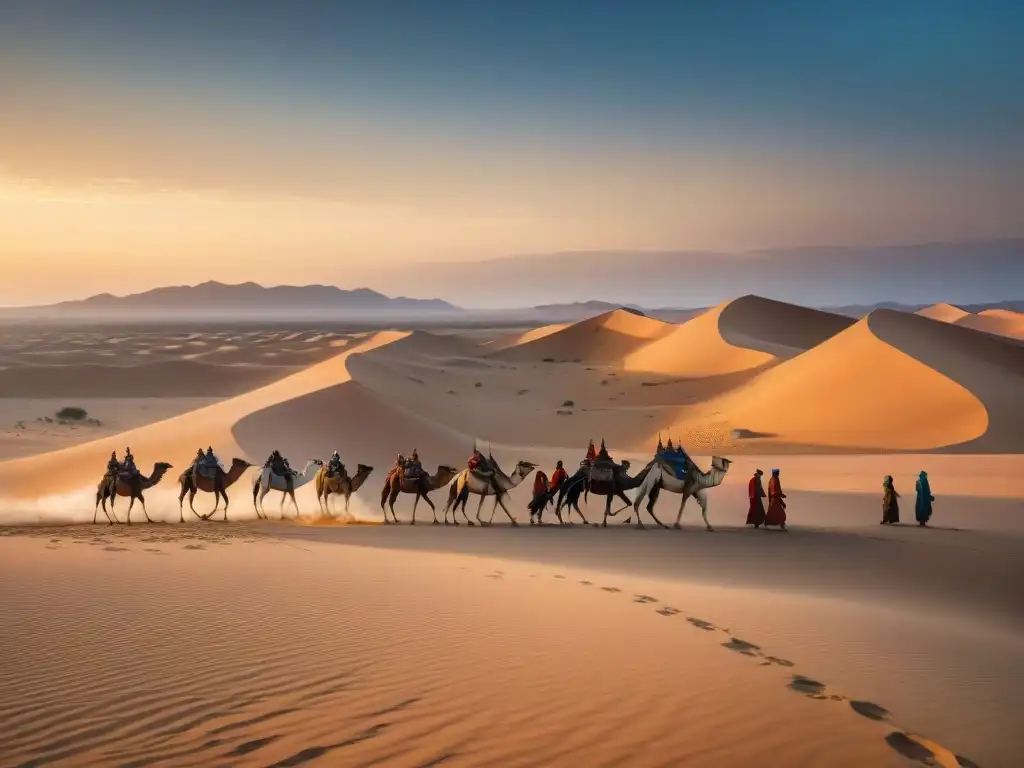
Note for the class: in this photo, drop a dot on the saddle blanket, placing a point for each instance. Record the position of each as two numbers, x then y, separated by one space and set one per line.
602 474
207 471
676 463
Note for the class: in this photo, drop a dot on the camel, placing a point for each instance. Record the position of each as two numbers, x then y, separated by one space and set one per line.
131 487
421 486
216 485
483 487
611 485
342 486
694 483
268 480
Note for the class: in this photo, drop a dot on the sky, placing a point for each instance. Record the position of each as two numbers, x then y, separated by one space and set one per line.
152 143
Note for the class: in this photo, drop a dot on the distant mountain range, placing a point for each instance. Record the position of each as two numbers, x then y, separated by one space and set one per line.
212 300
971 272
974 276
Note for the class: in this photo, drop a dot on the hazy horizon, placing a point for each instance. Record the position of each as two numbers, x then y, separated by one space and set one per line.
335 143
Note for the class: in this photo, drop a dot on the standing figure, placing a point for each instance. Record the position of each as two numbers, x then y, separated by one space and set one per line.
923 506
890 502
559 476
591 456
541 497
776 506
755 493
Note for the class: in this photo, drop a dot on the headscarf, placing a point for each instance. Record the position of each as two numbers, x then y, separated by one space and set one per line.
775 471
758 472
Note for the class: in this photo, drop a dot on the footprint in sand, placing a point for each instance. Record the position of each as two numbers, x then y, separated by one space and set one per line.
559 576
195 546
667 611
611 589
586 583
707 626
742 646
779 662
115 549
644 599
869 710
811 688
494 576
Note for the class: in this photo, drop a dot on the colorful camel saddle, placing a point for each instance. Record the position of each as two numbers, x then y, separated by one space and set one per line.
207 470
603 471
675 462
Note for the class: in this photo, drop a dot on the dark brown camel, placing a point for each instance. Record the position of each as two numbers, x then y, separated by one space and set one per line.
216 485
396 482
131 487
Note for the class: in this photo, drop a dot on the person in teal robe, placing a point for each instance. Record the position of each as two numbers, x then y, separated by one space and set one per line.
923 506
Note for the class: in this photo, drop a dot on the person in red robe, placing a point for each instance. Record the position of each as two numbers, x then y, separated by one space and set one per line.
591 452
559 476
755 492
540 483
776 506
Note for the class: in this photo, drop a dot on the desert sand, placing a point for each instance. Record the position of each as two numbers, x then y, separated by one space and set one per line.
363 644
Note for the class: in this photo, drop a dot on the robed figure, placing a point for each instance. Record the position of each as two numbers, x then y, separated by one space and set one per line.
756 494
776 514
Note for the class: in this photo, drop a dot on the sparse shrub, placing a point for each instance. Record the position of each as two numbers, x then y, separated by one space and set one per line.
522 391
568 404
72 413
478 384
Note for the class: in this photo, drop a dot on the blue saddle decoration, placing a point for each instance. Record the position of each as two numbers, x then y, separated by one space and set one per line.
676 460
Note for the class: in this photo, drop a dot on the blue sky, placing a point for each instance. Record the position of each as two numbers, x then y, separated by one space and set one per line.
491 128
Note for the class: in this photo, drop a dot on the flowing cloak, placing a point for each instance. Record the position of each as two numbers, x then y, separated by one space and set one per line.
923 506
558 477
540 494
591 453
890 505
755 492
776 506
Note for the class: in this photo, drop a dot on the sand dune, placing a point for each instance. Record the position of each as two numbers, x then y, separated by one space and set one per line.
516 339
604 338
945 313
891 381
776 327
175 440
1000 322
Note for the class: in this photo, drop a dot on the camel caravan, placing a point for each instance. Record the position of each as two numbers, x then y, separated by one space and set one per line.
671 469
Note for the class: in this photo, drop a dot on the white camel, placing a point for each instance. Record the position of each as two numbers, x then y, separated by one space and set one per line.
268 480
470 482
694 483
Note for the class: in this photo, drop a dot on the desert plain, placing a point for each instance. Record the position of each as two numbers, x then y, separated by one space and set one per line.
340 641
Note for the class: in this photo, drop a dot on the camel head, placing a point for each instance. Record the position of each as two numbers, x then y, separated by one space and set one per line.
363 469
444 468
162 466
524 468
242 463
721 464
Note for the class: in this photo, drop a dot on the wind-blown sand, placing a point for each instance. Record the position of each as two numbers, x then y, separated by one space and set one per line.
354 644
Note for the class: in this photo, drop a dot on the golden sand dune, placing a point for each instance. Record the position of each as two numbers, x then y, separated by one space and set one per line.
175 440
892 381
776 327
604 338
526 337
1000 322
166 378
945 313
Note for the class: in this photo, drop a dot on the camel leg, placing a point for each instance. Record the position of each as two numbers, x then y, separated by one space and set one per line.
497 501
391 505
191 503
224 493
415 502
142 500
701 495
433 509
130 505
452 496
295 504
479 507
580 513
682 503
